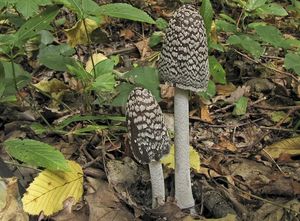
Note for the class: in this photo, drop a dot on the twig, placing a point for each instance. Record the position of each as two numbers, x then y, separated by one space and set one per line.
92 161
280 129
22 165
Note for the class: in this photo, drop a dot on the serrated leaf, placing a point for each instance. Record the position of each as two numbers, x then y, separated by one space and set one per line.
77 34
240 106
288 146
36 153
272 9
56 57
104 67
124 90
126 11
104 83
207 13
146 77
272 35
34 25
216 70
169 160
291 61
57 186
247 43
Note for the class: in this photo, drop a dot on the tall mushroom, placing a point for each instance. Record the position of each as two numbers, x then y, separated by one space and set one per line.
148 137
184 63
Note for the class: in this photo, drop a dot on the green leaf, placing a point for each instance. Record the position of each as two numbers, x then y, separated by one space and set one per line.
210 91
292 61
46 37
277 116
272 9
29 8
240 106
80 73
56 57
147 77
247 43
126 11
104 83
34 25
6 43
254 4
225 26
161 24
76 118
83 8
22 77
2 80
216 70
155 38
272 35
104 67
124 90
207 13
36 153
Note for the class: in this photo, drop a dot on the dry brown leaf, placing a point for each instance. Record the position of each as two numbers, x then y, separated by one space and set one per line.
104 205
226 144
237 94
143 48
127 34
167 91
288 146
205 115
226 89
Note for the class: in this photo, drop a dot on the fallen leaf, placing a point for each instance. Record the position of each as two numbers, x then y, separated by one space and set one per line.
288 146
205 115
77 34
57 186
226 144
169 160
226 89
10 205
98 57
127 34
237 94
143 48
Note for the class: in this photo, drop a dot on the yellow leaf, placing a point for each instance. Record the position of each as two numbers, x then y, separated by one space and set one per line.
77 34
50 189
169 160
96 58
288 146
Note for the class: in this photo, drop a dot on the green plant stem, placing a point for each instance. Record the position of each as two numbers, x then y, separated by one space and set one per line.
89 47
14 74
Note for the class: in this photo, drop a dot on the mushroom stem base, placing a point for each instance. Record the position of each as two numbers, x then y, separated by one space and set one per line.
157 183
183 188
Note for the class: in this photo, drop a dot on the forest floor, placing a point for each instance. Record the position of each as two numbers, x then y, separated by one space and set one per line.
247 165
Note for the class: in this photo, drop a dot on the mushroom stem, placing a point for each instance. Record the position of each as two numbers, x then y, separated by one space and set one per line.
157 183
183 189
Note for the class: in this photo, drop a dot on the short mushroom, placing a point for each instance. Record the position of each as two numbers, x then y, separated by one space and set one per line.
184 63
148 137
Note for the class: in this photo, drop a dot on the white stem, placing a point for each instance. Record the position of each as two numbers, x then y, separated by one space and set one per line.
157 183
183 188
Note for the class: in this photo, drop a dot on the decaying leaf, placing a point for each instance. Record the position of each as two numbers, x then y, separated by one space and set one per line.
57 186
288 146
96 58
205 115
10 207
77 34
169 160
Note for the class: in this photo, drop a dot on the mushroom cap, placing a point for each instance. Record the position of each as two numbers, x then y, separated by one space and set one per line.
184 56
148 137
